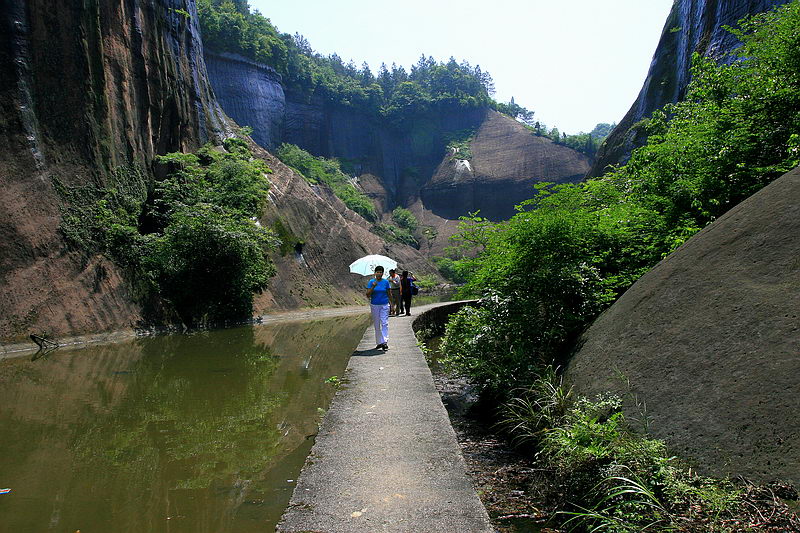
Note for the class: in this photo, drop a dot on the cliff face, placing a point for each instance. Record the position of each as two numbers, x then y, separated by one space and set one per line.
84 89
507 161
253 95
321 238
400 166
692 26
708 341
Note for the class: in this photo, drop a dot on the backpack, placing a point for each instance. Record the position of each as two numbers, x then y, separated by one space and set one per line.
414 289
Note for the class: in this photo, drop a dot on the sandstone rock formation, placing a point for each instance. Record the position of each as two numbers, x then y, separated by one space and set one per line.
321 238
406 167
507 161
692 26
89 88
709 342
85 89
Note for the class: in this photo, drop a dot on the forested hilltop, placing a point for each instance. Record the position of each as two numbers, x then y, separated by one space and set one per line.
394 94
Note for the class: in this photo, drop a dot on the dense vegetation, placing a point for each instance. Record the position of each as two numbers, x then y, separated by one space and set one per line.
573 249
188 242
329 172
395 94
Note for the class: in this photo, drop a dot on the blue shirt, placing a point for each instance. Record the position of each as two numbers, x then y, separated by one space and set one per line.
380 292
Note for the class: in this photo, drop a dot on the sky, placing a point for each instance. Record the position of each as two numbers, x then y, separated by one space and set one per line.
574 63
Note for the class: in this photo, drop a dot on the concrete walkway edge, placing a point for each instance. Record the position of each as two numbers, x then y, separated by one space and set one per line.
386 457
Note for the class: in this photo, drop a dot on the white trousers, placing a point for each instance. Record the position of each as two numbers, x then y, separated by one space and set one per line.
380 319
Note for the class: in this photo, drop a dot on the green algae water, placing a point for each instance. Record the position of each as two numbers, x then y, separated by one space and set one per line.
185 433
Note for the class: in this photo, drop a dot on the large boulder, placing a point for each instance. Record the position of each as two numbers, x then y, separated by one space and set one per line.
507 161
706 346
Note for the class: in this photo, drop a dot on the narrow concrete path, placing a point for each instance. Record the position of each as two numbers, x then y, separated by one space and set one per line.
386 457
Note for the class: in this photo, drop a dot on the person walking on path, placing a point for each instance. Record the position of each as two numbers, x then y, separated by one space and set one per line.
394 293
378 293
405 290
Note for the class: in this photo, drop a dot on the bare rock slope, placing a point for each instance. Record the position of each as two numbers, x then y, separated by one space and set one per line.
507 161
709 341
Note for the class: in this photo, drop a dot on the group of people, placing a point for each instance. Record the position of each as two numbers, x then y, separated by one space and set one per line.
390 296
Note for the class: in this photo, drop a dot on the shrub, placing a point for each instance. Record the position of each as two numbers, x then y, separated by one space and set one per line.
450 269
209 263
392 233
194 242
327 171
405 219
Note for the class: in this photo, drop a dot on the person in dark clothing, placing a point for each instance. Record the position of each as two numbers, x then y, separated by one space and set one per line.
405 291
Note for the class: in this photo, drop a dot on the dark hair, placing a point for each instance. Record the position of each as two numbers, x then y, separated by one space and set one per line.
405 273
379 267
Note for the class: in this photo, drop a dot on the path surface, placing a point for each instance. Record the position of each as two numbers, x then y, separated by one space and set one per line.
386 457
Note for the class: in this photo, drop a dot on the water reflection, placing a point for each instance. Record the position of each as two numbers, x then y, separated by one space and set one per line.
181 434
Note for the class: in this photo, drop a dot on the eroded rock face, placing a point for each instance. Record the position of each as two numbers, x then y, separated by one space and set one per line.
507 161
322 237
252 93
709 341
692 26
401 166
85 89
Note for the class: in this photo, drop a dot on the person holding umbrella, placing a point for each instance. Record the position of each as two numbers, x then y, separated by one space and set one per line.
378 294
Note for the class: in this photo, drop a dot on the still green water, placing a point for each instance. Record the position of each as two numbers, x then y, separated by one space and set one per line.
185 433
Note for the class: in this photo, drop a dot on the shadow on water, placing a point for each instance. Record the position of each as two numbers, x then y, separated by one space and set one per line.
186 433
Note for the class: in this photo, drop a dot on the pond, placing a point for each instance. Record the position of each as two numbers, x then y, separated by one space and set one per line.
185 433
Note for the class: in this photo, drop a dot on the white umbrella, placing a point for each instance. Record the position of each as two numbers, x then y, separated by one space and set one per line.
366 265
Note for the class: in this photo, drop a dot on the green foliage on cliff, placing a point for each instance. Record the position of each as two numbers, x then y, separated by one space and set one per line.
329 172
189 239
394 94
392 233
405 219
458 144
228 27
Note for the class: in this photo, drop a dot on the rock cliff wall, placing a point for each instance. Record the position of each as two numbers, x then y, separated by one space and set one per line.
692 26
252 93
85 88
708 341
507 161
402 166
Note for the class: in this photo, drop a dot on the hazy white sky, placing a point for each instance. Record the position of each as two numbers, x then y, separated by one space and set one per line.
575 63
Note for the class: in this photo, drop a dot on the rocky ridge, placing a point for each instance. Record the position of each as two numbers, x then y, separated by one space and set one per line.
692 26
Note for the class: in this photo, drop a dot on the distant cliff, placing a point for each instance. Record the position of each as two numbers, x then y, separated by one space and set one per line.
506 162
406 166
692 26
